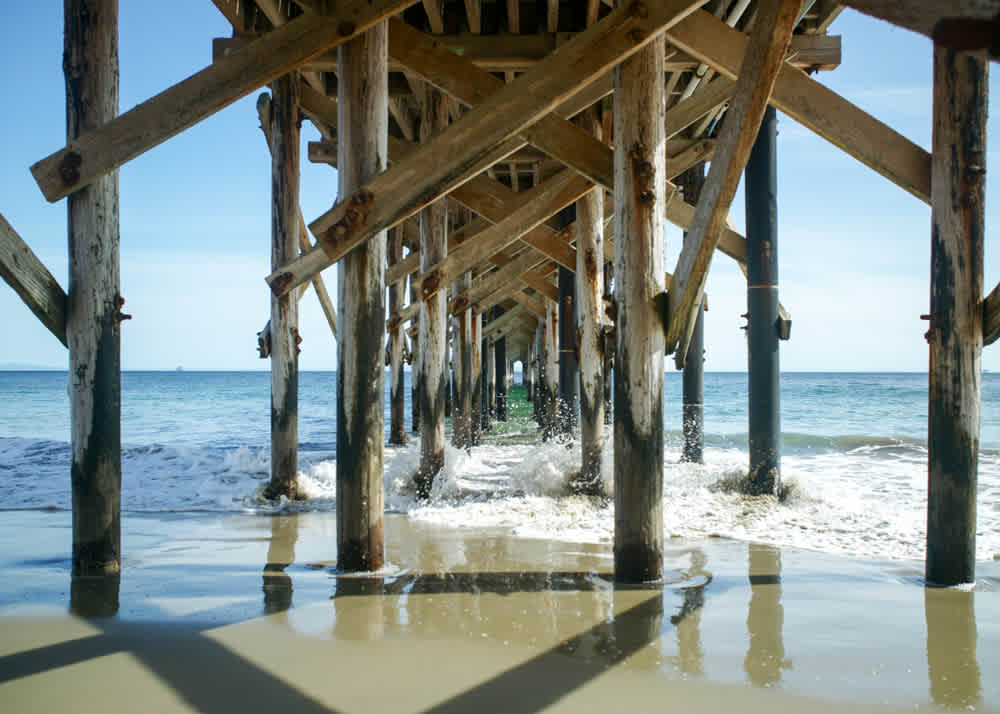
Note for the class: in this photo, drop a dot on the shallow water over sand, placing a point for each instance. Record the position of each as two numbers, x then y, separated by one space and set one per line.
245 613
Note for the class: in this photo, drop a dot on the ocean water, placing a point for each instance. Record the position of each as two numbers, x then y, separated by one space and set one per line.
854 461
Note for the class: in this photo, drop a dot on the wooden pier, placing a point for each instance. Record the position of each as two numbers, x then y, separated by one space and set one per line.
521 157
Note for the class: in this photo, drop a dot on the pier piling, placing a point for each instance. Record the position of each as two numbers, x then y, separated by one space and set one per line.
693 387
500 367
639 244
763 368
362 108
93 314
397 386
955 334
285 124
434 386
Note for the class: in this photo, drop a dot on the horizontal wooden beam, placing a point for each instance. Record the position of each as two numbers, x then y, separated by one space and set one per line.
32 281
814 106
532 304
453 156
185 104
991 316
947 16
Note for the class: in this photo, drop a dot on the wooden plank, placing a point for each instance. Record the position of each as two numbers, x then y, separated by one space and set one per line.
509 318
812 53
94 303
471 85
363 101
955 336
542 284
434 16
991 316
530 303
474 14
814 106
688 111
763 59
924 16
534 206
105 148
700 150
32 281
451 157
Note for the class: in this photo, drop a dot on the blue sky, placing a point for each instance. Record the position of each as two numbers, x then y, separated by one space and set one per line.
195 226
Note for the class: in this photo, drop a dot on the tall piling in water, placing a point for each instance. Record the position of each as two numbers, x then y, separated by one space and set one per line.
397 386
569 375
94 304
362 112
955 334
285 122
416 370
693 387
433 353
639 250
590 308
763 369
500 369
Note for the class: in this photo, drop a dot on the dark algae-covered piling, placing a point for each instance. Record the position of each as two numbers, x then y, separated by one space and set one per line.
763 369
284 333
955 330
693 387
362 92
397 386
94 304
639 204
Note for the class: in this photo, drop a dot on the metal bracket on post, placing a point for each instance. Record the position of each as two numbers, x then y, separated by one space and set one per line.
784 325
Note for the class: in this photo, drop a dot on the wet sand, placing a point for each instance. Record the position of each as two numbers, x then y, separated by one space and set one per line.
223 613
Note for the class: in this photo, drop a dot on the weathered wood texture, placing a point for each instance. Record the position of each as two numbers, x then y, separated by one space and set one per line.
434 387
102 149
476 390
500 376
550 407
284 326
762 61
461 413
991 316
956 318
416 369
569 374
590 308
93 305
814 106
455 155
640 185
397 387
363 130
32 281
924 16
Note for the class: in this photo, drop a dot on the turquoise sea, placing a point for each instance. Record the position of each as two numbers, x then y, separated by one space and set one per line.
854 457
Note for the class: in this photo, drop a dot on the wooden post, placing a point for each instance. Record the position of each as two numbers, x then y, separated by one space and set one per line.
640 202
433 317
693 416
362 102
476 382
590 307
397 386
499 366
488 372
491 378
763 369
569 376
528 373
609 347
461 415
416 368
539 371
956 320
93 314
284 327
550 411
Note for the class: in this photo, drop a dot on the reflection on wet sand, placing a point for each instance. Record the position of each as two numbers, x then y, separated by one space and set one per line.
952 665
687 620
280 554
765 617
94 596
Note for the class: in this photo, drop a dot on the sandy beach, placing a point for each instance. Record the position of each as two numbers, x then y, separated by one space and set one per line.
245 613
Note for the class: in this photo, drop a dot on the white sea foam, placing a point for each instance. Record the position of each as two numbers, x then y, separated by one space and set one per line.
867 501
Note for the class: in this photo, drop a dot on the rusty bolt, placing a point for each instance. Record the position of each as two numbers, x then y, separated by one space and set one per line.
118 316
281 283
